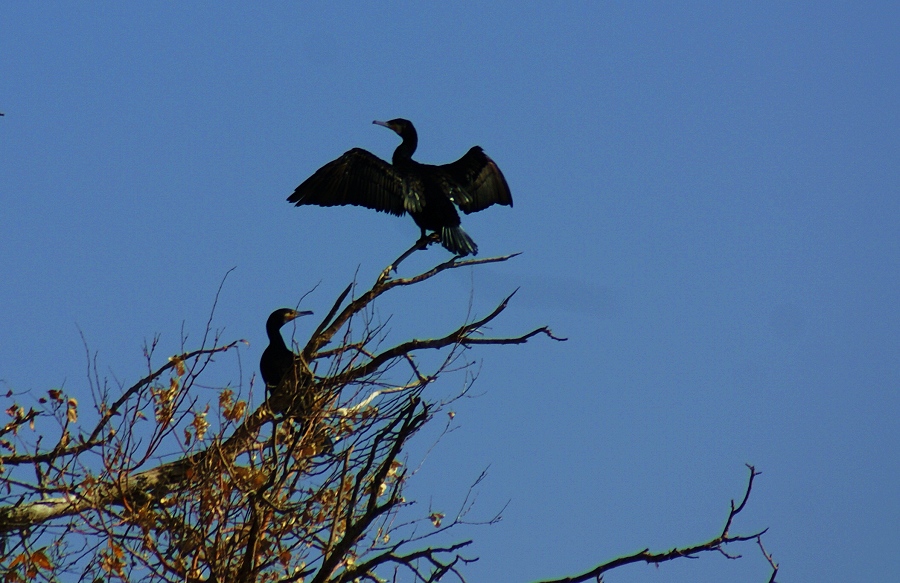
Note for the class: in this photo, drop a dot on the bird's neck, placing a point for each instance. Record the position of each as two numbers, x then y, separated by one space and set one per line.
406 149
275 339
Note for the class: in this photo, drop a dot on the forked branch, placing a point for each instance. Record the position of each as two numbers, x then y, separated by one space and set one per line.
326 331
462 335
715 544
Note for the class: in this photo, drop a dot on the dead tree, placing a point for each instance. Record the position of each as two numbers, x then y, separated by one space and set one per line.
305 486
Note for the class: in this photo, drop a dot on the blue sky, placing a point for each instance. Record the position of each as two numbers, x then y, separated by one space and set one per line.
705 198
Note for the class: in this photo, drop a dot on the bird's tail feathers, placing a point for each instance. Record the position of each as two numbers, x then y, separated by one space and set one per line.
456 240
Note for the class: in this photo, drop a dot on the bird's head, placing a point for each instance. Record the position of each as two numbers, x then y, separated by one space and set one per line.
282 316
402 127
405 130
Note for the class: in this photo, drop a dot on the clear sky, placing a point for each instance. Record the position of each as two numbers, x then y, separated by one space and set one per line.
706 198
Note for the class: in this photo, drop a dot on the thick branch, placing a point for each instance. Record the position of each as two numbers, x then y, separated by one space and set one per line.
151 482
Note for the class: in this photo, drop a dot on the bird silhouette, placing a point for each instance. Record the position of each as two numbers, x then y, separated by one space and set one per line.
427 192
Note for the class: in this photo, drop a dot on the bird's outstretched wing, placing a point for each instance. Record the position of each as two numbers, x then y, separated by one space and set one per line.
359 178
478 182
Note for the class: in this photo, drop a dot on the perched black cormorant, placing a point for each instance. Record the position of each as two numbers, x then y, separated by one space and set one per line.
426 192
277 359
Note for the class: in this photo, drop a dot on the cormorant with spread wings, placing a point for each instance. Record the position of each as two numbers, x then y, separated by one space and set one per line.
428 193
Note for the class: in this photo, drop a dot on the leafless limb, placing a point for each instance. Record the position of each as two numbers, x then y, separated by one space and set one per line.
715 544
419 245
769 559
326 330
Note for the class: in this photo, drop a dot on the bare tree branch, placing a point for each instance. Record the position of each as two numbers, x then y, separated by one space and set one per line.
714 544
381 286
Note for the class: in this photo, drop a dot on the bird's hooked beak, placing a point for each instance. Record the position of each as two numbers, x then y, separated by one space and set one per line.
384 124
295 314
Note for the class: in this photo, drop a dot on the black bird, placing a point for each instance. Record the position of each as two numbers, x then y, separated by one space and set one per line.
277 359
426 192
